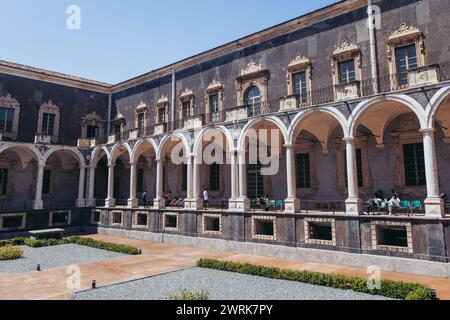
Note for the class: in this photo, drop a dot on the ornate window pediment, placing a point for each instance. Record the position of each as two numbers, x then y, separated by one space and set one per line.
186 105
407 44
253 75
90 121
162 110
48 120
299 78
140 115
10 109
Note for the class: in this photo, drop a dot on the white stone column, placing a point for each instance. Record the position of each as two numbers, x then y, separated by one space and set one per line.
434 205
159 202
133 201
38 204
91 187
81 201
196 200
110 202
292 203
353 203
240 174
234 180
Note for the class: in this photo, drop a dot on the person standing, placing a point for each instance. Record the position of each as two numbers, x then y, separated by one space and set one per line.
206 199
144 199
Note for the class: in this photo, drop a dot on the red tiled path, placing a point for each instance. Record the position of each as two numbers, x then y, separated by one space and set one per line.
159 258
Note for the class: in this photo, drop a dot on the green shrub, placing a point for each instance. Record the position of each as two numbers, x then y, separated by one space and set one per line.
33 243
113 247
185 295
10 253
388 288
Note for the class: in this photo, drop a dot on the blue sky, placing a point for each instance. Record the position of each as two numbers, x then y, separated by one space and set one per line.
122 39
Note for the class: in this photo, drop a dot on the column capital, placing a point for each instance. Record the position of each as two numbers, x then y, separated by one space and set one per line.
289 146
348 139
133 163
428 131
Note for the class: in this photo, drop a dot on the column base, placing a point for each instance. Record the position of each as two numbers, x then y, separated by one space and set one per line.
292 205
193 204
38 205
353 207
81 203
159 203
90 203
110 203
434 207
133 203
242 204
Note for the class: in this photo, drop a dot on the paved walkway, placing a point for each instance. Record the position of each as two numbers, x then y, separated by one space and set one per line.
159 258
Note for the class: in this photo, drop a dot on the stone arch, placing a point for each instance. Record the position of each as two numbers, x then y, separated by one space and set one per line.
301 117
165 142
439 98
30 151
135 154
113 156
199 139
402 101
95 155
272 119
74 152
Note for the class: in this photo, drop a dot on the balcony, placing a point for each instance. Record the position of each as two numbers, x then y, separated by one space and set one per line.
347 91
423 76
86 143
236 114
160 129
193 122
41 138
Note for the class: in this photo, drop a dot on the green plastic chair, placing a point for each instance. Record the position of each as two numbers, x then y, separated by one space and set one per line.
405 205
272 203
416 205
280 204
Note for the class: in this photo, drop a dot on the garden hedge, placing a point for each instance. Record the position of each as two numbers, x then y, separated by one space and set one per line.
10 253
388 288
119 248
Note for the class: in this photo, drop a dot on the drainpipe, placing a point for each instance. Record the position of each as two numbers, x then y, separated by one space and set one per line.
174 97
373 46
109 113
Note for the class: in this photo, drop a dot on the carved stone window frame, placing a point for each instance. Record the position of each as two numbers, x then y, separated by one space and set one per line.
403 36
162 103
111 218
215 87
135 220
9 102
299 64
140 109
187 96
92 119
23 215
362 143
307 229
409 233
346 51
408 133
64 224
213 216
257 236
253 75
119 121
309 148
51 108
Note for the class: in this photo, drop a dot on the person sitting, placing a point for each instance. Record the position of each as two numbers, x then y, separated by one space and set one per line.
394 203
373 203
175 202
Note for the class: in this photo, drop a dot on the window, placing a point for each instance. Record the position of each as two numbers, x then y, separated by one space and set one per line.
93 132
117 129
359 168
255 181
48 124
414 163
303 171
162 115
3 181
214 177
141 121
253 101
184 177
347 71
300 86
405 58
6 119
140 181
186 109
214 107
46 182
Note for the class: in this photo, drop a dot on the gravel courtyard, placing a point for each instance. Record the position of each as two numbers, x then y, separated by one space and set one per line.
55 257
220 286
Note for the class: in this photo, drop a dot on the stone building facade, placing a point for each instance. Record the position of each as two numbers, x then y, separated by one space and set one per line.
358 98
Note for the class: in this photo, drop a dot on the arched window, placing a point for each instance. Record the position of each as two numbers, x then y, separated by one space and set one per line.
253 101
